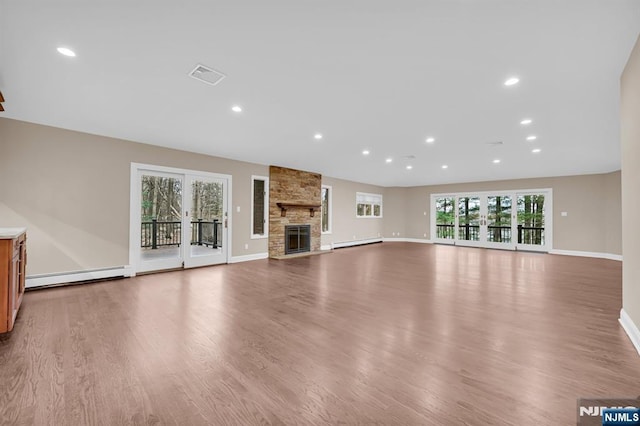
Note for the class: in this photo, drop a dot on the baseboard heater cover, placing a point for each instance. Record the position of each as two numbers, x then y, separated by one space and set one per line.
356 243
61 278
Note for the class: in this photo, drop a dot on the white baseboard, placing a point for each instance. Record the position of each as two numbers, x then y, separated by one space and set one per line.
587 254
407 240
71 277
356 242
631 329
325 247
248 257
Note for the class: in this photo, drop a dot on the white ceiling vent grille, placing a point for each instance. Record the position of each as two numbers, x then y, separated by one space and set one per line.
207 75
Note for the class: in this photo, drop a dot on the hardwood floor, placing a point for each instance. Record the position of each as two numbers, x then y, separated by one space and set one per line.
392 333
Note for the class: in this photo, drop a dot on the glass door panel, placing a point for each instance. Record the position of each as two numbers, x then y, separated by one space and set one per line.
499 226
160 221
207 222
502 219
445 219
468 220
531 221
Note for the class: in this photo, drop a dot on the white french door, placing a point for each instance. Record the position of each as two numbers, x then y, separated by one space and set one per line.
498 221
179 218
507 220
206 221
469 221
533 225
159 214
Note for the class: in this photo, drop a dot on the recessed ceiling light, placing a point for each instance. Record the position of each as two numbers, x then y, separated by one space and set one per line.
532 138
444 166
388 160
236 108
536 150
511 81
317 136
365 152
431 140
409 167
66 51
526 121
496 161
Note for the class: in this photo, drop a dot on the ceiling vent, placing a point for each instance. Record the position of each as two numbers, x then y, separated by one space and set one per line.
495 143
207 75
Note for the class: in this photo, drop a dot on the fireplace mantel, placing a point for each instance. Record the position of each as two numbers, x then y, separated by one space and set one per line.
284 206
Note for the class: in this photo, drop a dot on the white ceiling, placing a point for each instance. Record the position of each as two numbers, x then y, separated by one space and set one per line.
376 75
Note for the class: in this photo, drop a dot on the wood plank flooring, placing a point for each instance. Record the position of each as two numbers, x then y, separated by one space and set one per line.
392 333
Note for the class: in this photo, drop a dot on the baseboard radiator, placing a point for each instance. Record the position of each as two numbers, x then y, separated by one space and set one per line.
76 277
356 243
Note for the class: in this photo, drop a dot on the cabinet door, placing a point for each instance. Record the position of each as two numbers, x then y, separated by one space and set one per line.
14 290
23 265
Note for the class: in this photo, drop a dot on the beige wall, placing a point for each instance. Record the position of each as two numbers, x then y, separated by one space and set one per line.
346 226
71 190
592 203
591 225
395 202
630 135
612 213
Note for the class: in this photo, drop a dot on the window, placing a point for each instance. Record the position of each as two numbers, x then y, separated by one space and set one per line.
259 206
326 209
368 205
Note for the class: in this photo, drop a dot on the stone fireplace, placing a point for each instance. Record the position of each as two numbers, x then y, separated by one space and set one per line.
294 201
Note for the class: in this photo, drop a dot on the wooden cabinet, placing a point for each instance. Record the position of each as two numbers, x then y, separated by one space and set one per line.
13 261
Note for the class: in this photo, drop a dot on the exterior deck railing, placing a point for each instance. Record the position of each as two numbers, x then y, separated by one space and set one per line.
155 233
526 234
530 235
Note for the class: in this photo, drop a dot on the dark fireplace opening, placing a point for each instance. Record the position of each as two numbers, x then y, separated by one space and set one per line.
297 239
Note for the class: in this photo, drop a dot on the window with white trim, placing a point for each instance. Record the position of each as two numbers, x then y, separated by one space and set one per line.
325 201
368 205
259 207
